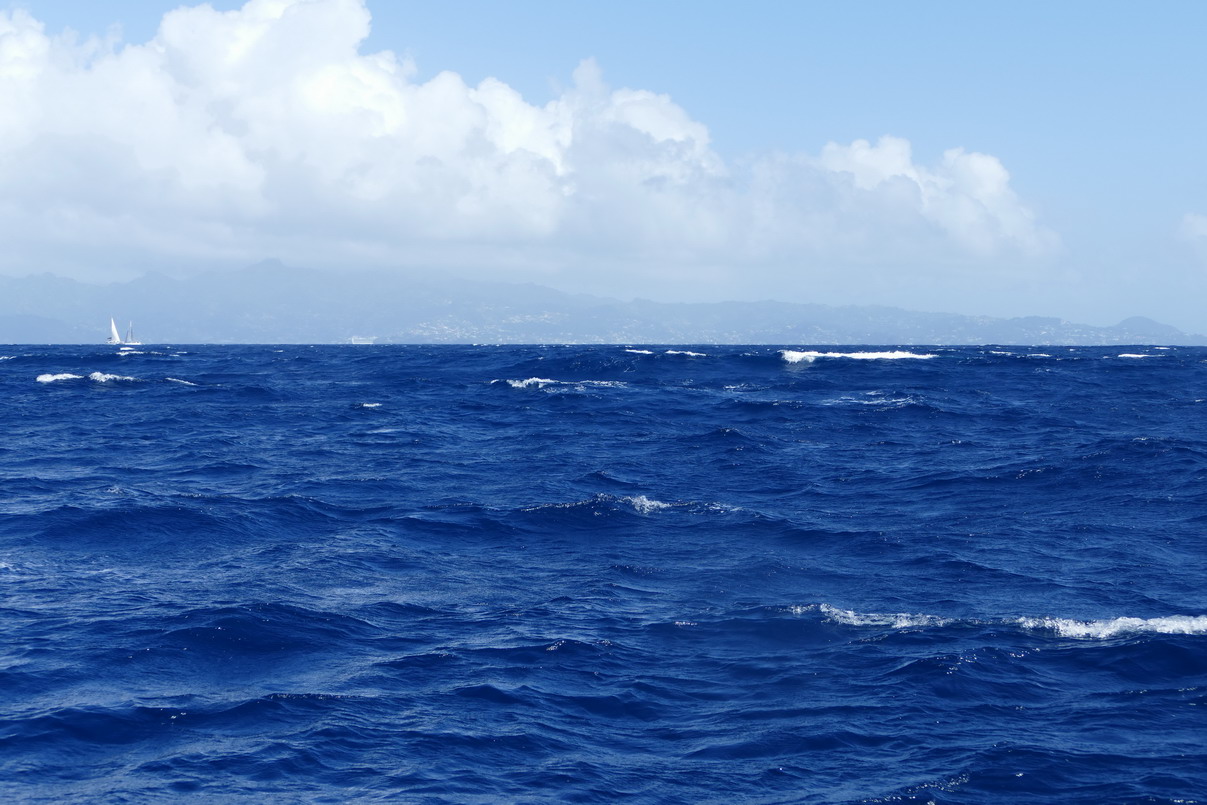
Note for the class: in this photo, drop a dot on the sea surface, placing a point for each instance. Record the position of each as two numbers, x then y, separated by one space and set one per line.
600 574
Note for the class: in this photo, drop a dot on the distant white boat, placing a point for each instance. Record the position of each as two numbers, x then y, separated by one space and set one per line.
115 338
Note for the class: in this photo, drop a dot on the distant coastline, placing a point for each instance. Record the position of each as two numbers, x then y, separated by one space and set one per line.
274 304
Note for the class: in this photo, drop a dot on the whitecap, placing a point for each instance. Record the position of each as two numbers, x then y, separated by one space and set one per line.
1134 355
370 405
640 351
62 376
808 356
530 383
686 352
102 377
178 380
542 382
1113 627
897 620
645 505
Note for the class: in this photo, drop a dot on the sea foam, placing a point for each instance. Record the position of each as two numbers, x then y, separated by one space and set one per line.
808 356
542 382
530 383
645 505
1113 627
49 378
896 620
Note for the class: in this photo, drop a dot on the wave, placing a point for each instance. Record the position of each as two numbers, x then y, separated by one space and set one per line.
96 377
1062 627
876 398
644 505
686 352
178 380
808 356
542 382
1135 355
601 503
898 620
1115 627
530 383
640 351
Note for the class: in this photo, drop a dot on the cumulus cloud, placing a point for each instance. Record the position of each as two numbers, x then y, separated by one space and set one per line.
266 132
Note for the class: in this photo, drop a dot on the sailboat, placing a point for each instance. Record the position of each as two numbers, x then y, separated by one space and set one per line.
115 338
130 339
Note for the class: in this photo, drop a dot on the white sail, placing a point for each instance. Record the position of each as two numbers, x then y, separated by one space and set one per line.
114 338
130 339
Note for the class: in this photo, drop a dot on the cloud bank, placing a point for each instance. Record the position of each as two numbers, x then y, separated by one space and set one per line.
266 132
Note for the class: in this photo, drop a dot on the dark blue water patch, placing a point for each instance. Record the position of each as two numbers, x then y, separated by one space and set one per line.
591 574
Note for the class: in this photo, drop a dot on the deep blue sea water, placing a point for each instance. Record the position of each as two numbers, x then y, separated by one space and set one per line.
603 574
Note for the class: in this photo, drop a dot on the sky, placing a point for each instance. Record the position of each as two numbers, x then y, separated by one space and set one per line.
993 158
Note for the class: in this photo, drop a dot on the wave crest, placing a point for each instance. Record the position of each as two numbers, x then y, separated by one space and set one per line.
808 356
1113 627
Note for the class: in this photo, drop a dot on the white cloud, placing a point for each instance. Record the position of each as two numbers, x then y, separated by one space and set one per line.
264 131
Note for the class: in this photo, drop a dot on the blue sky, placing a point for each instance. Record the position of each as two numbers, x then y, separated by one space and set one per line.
1091 113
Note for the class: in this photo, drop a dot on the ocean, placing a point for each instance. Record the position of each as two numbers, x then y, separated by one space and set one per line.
598 574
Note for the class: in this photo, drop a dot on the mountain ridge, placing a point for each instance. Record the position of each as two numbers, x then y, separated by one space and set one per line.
273 303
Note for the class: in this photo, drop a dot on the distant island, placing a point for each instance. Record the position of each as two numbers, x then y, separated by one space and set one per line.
275 304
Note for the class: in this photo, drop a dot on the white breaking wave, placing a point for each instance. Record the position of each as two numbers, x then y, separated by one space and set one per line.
542 382
530 383
1113 627
55 378
640 351
101 377
1135 355
370 405
793 356
178 380
645 505
897 620
1062 627
686 352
